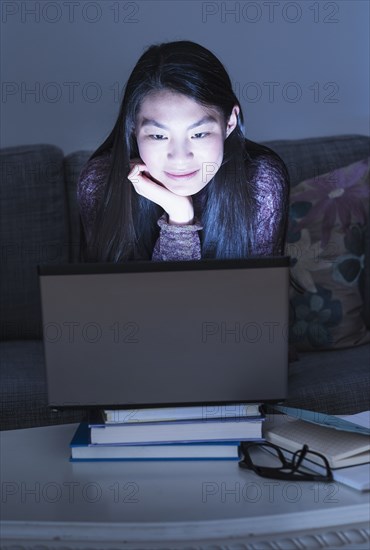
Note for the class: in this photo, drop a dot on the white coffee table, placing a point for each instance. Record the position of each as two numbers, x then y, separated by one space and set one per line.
51 503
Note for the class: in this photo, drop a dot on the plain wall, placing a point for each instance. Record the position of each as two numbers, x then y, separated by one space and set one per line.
300 68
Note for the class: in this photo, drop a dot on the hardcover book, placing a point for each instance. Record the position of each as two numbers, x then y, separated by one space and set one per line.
82 449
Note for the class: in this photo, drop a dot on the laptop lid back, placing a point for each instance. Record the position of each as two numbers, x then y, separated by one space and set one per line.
166 333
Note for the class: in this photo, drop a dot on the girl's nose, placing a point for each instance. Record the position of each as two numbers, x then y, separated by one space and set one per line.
179 152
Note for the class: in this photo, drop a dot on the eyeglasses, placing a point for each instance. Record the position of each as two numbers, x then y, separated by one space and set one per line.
293 469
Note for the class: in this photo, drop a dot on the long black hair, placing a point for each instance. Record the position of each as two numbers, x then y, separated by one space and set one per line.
126 224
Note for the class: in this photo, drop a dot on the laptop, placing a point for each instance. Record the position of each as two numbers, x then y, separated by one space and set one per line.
165 333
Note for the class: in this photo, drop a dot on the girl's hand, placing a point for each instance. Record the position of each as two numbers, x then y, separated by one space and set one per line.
179 209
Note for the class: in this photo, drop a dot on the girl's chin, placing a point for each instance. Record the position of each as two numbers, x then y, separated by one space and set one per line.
180 188
180 192
149 176
184 192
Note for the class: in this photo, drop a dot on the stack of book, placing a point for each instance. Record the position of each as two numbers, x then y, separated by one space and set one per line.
201 432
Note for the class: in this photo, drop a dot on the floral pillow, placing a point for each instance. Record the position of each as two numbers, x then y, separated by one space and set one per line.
328 220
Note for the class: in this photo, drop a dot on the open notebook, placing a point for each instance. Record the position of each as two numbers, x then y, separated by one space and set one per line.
348 453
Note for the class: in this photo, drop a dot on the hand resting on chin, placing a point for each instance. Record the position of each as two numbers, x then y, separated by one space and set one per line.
179 208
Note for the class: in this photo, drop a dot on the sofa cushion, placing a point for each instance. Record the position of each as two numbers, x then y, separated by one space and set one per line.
332 382
326 242
33 230
310 157
23 388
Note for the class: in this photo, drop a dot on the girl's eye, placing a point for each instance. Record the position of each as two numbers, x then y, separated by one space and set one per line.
161 137
201 135
157 137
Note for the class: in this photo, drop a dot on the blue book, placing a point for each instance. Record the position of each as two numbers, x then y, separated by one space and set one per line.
83 450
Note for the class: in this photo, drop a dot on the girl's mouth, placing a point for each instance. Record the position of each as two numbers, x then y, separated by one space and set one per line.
181 176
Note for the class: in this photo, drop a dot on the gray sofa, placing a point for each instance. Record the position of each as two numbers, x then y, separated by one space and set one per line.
40 224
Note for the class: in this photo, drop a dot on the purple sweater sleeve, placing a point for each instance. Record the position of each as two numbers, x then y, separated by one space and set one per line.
271 182
177 242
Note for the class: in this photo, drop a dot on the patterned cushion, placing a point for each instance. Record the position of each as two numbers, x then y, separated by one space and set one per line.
326 241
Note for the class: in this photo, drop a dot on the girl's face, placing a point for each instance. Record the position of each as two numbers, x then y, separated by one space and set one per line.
180 141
